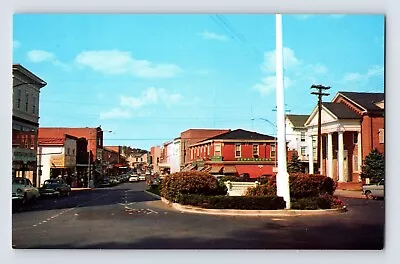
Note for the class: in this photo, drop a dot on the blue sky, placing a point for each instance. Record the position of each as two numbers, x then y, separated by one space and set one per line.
149 77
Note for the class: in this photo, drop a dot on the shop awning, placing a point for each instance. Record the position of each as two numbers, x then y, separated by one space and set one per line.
216 169
188 167
207 169
230 169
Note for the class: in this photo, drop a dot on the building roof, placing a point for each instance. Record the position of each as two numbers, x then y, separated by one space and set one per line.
365 100
241 134
54 141
298 120
29 74
341 111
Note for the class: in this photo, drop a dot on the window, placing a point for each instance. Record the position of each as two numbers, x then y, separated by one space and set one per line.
73 151
273 150
67 151
19 99
303 136
238 150
255 150
303 151
381 136
315 153
355 163
158 160
26 102
34 105
217 150
355 137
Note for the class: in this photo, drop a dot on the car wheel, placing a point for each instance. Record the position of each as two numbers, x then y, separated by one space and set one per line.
368 195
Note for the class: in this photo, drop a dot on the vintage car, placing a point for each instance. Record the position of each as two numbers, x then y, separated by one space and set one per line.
23 191
134 178
55 187
374 191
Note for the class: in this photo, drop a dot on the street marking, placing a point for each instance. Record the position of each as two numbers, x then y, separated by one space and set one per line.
152 211
34 225
44 221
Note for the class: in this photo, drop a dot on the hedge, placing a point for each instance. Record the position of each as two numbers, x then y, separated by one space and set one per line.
191 182
317 202
301 186
233 202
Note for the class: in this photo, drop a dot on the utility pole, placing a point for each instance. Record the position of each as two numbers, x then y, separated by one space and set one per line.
319 87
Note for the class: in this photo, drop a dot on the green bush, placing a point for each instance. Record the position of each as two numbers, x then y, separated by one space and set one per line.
233 202
156 189
229 178
190 182
325 201
301 185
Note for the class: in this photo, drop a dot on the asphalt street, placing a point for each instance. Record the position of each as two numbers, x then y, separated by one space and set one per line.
125 217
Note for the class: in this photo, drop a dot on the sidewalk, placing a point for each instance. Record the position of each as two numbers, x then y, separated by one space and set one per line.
81 189
350 194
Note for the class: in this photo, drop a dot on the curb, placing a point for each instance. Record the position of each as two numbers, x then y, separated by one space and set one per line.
233 212
82 190
153 194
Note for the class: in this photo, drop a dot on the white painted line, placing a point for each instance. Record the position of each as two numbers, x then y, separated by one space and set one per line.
130 213
40 223
44 221
152 211
34 225
76 214
48 219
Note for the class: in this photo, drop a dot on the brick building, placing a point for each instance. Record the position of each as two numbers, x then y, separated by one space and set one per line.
236 152
25 122
352 125
192 136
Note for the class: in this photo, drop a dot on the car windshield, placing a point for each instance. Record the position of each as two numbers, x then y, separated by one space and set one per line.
51 183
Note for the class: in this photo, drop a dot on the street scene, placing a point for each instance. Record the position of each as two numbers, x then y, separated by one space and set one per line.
206 131
125 217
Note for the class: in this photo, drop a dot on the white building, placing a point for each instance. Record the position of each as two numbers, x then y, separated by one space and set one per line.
25 122
57 157
174 155
297 137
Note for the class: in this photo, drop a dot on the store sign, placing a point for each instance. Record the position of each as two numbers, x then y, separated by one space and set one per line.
24 155
99 154
57 161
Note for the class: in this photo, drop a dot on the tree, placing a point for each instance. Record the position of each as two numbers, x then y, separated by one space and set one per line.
294 165
374 166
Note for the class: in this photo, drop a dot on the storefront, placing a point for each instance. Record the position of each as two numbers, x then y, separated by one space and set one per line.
24 163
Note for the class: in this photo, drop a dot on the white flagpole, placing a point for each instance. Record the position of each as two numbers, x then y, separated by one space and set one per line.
282 179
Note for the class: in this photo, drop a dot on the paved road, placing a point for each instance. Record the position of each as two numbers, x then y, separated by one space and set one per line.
125 217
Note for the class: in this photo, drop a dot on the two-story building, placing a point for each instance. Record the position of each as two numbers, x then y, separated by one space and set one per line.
296 136
25 122
236 152
57 158
352 125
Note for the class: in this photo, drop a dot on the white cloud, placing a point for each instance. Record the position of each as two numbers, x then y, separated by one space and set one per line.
296 71
211 35
268 84
37 56
122 62
115 113
16 44
289 60
151 96
376 70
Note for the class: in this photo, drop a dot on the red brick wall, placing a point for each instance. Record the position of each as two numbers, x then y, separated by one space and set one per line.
89 133
370 134
193 136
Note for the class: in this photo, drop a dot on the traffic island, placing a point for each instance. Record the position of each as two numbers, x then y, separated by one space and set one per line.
235 212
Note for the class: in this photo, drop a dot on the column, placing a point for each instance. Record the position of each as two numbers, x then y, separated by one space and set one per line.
359 155
340 156
330 156
310 155
321 154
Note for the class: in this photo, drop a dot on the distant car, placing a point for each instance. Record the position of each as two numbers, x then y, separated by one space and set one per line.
142 178
23 191
373 191
55 187
134 178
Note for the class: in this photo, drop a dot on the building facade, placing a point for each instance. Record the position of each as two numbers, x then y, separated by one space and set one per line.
57 158
155 158
352 125
192 136
237 152
25 122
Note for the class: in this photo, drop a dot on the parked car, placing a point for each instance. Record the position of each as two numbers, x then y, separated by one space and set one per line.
373 191
55 187
23 191
134 178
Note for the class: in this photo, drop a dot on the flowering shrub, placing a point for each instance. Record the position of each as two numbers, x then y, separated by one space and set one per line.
191 182
301 185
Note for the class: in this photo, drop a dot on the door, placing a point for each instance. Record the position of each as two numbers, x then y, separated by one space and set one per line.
345 166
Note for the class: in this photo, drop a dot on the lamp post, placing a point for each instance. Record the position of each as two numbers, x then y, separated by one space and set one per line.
274 127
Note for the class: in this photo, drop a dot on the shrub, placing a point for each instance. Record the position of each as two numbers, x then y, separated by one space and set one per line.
301 185
156 189
229 178
324 201
190 182
233 202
